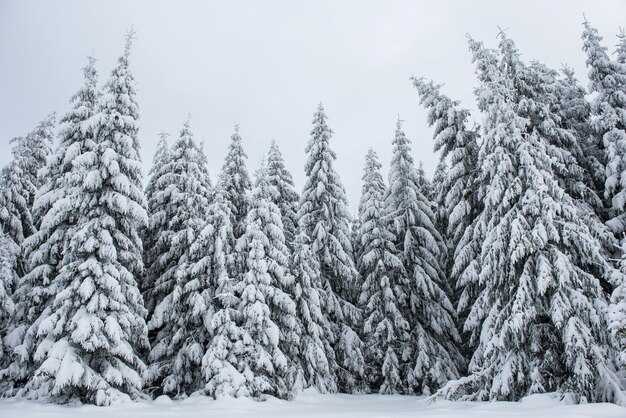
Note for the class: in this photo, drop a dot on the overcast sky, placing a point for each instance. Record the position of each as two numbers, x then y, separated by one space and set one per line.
267 64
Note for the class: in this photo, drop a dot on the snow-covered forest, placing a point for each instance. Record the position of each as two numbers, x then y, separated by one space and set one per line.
501 277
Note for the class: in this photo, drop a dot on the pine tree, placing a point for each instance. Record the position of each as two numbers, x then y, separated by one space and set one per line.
316 352
324 217
385 291
574 111
607 79
181 337
538 320
55 217
214 261
433 332
31 153
21 179
157 206
206 177
459 150
234 182
537 92
15 215
286 197
8 278
270 341
95 325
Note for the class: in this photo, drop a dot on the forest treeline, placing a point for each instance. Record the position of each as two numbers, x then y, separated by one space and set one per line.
501 277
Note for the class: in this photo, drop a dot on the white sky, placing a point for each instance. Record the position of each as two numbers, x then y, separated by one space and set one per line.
267 64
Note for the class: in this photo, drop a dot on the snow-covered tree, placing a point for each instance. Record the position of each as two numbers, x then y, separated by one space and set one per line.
55 216
458 146
31 153
607 79
269 349
574 111
8 278
324 217
286 197
21 179
316 353
538 95
90 335
434 335
206 177
178 317
235 183
15 212
157 207
539 319
214 261
385 291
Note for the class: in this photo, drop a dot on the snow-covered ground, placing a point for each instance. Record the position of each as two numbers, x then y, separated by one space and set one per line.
311 405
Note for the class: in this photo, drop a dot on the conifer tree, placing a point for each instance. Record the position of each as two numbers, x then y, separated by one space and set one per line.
536 90
286 197
56 215
8 278
235 183
607 79
31 153
95 326
458 146
434 337
270 340
538 320
157 206
214 261
178 318
574 111
385 291
316 353
21 179
206 177
324 217
15 212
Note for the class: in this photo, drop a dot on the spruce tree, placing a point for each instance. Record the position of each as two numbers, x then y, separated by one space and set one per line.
455 198
31 153
385 291
458 146
95 326
206 177
574 111
235 183
214 261
434 337
270 341
20 179
152 237
286 197
607 79
316 353
15 212
324 217
56 216
181 337
8 278
537 93
538 320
